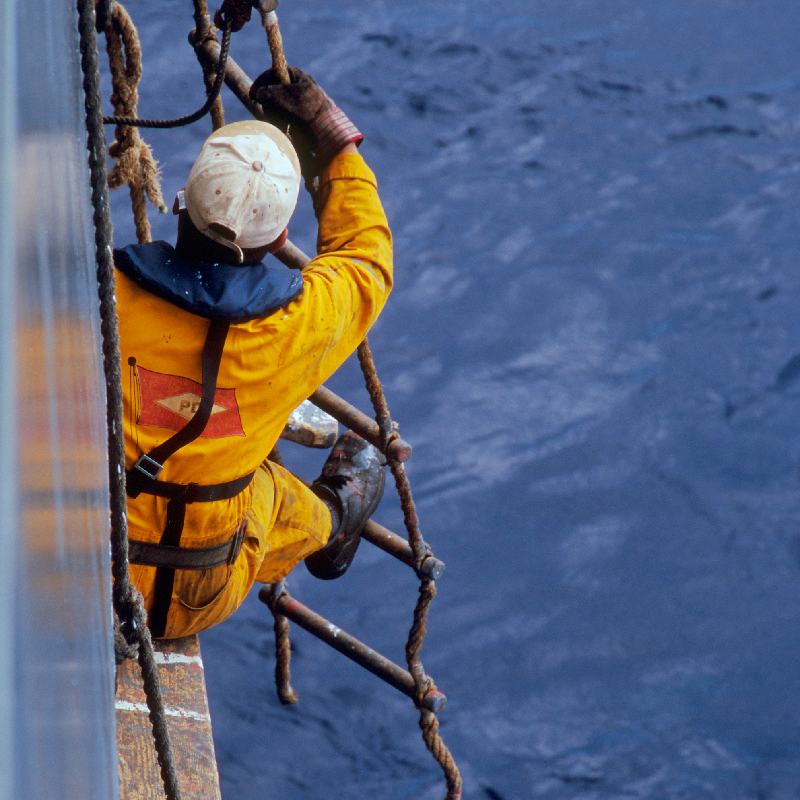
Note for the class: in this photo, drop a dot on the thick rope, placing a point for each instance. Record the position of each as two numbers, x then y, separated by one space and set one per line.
275 43
375 391
428 722
127 601
135 164
283 648
177 122
283 661
204 30
123 649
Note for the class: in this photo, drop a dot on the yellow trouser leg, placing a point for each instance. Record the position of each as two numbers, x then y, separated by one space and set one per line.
286 523
297 524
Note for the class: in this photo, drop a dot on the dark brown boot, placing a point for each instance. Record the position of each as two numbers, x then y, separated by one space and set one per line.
351 484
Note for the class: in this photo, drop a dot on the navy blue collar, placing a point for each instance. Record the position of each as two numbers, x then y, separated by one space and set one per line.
211 290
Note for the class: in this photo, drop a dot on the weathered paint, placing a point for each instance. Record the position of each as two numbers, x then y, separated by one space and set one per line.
184 691
311 426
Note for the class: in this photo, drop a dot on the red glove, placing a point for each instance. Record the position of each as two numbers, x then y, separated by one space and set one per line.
303 104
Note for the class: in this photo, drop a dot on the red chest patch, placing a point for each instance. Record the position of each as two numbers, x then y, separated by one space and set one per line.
170 401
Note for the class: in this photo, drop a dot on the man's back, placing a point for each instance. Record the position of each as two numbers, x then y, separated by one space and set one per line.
269 365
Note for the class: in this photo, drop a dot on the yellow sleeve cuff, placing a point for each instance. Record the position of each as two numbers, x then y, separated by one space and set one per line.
345 166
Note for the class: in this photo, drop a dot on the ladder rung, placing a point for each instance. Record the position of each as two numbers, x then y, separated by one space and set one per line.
359 422
397 546
348 645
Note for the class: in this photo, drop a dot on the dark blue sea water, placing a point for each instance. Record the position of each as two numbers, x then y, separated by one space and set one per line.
594 345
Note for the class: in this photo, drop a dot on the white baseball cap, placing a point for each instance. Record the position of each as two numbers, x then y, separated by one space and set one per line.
243 187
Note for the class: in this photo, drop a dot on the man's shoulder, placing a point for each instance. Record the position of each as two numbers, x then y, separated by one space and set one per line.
209 289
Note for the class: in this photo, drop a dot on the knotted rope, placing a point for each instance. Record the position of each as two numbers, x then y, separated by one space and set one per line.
428 721
177 122
135 164
128 603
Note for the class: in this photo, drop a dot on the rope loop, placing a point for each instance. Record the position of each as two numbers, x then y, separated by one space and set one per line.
178 122
428 721
199 36
135 164
424 687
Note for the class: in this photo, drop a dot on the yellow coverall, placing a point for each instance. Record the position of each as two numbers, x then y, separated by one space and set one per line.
269 366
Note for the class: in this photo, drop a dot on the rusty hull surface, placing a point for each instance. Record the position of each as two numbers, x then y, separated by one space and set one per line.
184 689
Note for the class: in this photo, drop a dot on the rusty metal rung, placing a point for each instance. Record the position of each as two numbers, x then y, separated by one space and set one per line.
359 422
354 649
397 546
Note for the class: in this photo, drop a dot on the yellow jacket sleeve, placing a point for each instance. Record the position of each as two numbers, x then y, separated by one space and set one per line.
347 283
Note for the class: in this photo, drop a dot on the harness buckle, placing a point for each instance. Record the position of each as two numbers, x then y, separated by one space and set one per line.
149 467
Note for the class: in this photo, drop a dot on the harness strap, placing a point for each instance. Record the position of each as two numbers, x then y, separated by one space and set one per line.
200 558
188 492
150 464
143 476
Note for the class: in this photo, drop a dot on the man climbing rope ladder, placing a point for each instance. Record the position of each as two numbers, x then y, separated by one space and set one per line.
221 347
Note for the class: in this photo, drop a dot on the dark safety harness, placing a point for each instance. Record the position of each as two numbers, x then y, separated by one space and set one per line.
157 268
168 555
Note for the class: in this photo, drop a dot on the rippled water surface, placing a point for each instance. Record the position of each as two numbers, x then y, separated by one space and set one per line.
594 345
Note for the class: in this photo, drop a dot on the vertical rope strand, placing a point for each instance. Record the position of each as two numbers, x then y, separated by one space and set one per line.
105 279
375 391
204 30
127 600
275 43
428 721
135 164
283 649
